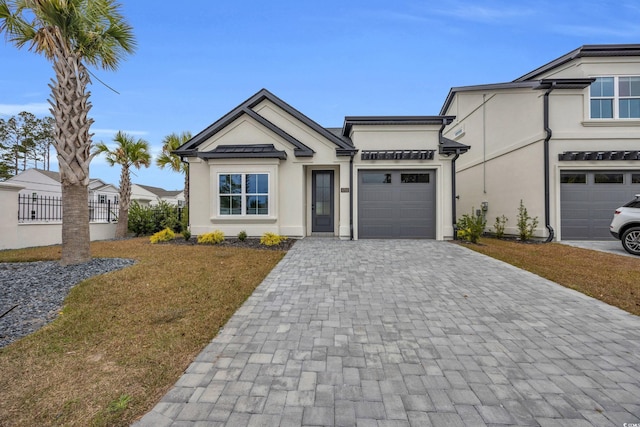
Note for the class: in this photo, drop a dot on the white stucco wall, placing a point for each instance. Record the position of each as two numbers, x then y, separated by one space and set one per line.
505 131
407 137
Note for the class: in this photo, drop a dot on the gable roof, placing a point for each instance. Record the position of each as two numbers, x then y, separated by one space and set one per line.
589 50
160 192
246 108
528 80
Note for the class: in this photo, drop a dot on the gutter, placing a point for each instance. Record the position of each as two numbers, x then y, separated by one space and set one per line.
454 197
550 85
448 147
549 132
353 153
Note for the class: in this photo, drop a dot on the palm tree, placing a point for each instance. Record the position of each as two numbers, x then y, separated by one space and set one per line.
127 152
72 34
170 143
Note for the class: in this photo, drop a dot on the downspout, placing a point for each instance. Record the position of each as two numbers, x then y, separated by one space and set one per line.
453 195
547 129
453 184
353 153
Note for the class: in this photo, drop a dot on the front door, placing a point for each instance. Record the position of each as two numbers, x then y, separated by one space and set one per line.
322 201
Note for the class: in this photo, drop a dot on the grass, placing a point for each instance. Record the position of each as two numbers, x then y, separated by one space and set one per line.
614 279
124 338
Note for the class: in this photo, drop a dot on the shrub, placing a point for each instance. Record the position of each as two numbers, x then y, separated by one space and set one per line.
163 236
144 220
242 236
212 238
166 216
186 234
271 239
471 227
499 226
526 224
140 219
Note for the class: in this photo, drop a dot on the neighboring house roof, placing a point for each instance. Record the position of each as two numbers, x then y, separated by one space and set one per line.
246 108
528 80
51 174
160 192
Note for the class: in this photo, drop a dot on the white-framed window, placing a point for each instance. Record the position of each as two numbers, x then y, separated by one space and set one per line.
102 198
243 193
615 97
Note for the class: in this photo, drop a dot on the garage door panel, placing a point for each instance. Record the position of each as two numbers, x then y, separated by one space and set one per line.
396 209
587 208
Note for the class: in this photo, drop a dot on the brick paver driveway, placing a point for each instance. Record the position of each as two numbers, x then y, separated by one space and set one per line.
411 333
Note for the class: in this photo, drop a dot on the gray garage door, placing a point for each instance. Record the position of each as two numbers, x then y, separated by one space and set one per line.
397 204
589 198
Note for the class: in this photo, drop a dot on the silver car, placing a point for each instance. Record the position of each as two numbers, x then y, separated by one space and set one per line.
625 226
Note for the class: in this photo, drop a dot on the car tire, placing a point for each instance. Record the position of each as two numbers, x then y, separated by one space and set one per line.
631 240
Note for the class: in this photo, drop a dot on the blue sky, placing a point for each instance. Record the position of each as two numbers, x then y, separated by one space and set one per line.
328 59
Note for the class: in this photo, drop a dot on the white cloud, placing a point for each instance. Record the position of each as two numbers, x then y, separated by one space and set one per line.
37 108
473 12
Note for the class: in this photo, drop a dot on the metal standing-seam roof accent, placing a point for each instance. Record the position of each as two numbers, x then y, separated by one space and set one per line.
397 154
252 151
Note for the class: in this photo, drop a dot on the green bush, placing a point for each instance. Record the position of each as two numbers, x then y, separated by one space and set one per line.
186 234
526 224
145 220
163 236
212 238
242 236
500 225
471 227
271 239
141 220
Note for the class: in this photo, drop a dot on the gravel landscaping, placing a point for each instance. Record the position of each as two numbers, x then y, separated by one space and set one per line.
32 293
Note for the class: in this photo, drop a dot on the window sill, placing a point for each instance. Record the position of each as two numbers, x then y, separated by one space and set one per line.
611 123
244 218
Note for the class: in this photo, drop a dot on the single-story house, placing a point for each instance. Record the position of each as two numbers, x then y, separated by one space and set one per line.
43 183
266 167
563 138
147 195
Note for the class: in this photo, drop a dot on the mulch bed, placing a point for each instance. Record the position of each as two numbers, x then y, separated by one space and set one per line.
249 243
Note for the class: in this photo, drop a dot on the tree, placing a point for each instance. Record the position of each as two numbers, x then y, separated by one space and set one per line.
127 152
72 34
167 158
25 140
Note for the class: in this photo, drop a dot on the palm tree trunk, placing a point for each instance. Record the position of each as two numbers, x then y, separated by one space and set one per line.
70 106
125 200
75 225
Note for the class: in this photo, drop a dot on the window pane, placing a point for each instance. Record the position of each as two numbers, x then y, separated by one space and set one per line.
609 178
629 86
573 178
230 205
230 184
257 183
602 108
407 178
376 178
629 108
603 86
257 205
635 178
